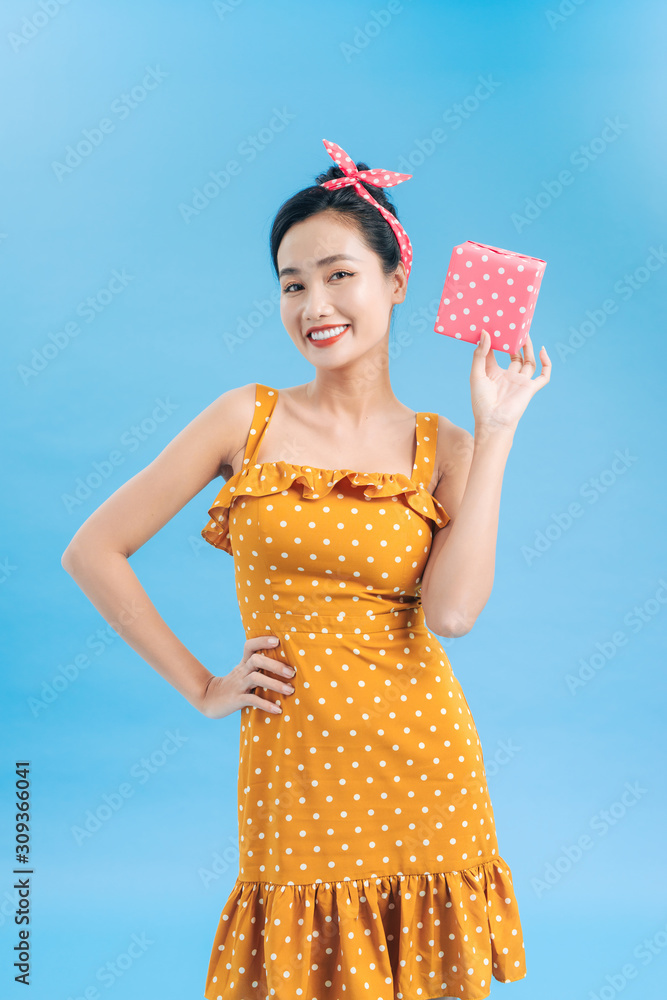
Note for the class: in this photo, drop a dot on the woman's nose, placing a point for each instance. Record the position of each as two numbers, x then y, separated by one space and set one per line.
316 305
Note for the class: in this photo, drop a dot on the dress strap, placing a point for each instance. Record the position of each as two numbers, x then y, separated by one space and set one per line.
426 427
265 401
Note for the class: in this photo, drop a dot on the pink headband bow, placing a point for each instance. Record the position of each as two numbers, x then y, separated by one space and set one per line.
378 177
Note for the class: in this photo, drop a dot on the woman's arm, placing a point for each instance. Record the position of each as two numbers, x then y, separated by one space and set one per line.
97 556
459 573
458 578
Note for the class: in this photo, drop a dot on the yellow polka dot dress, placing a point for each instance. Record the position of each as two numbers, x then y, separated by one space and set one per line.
369 864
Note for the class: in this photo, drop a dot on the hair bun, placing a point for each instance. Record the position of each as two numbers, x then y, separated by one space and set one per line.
335 171
379 193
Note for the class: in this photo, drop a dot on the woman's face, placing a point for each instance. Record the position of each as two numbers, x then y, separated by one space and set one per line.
349 291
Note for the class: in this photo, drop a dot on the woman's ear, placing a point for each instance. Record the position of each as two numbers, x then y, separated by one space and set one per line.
400 283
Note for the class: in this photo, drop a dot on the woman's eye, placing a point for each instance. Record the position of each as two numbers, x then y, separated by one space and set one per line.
295 284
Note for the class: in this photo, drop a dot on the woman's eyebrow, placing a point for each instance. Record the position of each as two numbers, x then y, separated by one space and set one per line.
319 263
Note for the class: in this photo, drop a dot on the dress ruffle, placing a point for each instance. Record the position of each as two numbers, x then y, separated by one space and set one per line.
414 937
266 478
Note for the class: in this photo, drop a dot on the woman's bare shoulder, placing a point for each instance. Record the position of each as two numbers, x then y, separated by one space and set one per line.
228 418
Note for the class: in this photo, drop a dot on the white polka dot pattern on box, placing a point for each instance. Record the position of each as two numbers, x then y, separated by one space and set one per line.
492 289
369 863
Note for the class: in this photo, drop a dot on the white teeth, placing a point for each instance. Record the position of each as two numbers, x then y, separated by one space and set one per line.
332 331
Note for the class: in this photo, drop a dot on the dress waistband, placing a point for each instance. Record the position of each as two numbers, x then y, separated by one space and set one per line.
343 622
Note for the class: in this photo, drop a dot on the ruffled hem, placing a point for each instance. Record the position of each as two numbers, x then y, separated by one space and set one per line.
266 478
398 937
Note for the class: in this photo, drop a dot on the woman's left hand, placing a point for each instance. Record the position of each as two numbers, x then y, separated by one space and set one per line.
500 395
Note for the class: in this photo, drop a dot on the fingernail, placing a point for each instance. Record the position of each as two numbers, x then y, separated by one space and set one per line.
273 640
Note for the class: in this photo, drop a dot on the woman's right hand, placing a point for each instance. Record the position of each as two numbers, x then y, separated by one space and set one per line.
233 691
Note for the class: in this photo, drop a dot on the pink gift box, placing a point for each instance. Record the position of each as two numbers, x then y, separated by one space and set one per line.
487 287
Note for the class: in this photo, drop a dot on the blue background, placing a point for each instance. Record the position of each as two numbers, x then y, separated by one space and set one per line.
198 315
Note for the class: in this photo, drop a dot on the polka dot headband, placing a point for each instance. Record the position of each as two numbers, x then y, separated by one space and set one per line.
378 177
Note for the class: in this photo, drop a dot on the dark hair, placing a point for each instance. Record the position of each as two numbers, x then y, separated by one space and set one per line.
364 216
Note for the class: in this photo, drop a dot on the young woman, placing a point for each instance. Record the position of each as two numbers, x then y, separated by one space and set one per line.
360 531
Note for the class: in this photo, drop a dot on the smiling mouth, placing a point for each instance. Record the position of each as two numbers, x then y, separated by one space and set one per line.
324 336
